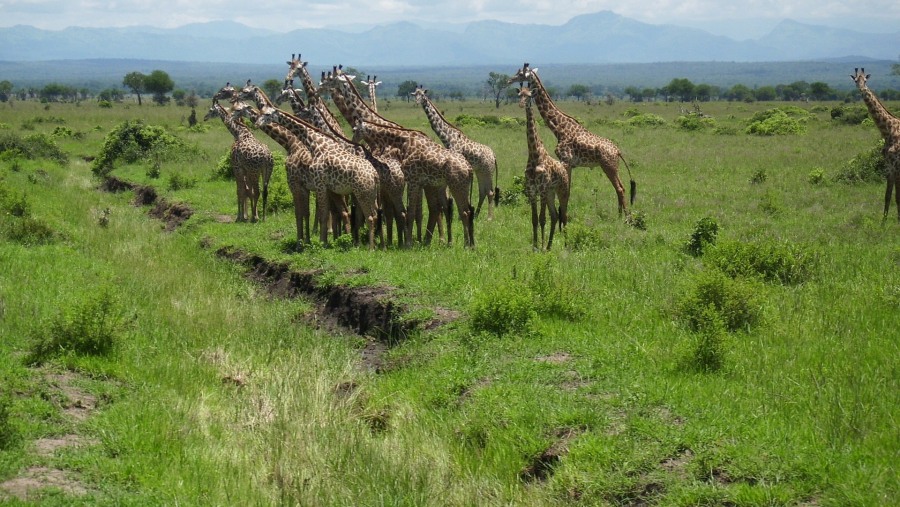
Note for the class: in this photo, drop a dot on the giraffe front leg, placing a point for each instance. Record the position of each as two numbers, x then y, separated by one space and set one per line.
887 197
553 220
322 211
543 218
414 210
534 224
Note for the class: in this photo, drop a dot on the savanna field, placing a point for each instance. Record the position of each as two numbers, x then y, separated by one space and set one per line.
735 343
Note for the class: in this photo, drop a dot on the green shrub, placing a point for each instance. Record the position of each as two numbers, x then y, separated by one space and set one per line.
704 235
849 115
13 204
27 231
694 122
716 296
582 238
760 176
638 220
515 194
775 122
503 309
344 242
131 141
222 170
816 176
869 166
708 353
769 204
646 120
180 182
32 146
784 263
552 295
105 104
93 327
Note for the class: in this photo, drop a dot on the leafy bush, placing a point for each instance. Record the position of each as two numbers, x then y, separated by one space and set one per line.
13 204
105 104
770 261
770 204
694 122
816 176
91 328
131 141
551 295
760 176
708 353
514 195
849 115
503 309
704 235
28 231
582 238
32 146
222 170
646 120
638 220
180 182
869 166
714 296
775 122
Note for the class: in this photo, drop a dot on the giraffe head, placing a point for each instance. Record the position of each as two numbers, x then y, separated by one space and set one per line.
359 131
523 75
248 91
859 77
294 66
240 109
420 94
212 112
267 116
226 92
524 95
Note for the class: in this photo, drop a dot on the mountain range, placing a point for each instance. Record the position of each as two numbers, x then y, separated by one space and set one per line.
602 37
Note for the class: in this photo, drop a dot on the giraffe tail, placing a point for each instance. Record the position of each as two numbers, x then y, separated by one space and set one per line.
496 184
265 192
633 184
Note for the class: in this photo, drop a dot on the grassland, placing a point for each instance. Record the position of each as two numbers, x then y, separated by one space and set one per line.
626 386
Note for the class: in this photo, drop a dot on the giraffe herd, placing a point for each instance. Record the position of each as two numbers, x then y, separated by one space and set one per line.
383 160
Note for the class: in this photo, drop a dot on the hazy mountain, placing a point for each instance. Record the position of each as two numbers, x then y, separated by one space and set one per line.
603 37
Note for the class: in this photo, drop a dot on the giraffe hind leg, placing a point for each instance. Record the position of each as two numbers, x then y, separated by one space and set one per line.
887 196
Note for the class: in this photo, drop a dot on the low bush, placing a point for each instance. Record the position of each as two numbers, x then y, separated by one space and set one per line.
502 309
131 141
760 176
28 231
816 176
708 351
32 146
769 261
849 115
223 170
694 122
552 295
515 194
646 120
705 233
583 238
775 122
714 296
180 182
866 167
93 327
8 433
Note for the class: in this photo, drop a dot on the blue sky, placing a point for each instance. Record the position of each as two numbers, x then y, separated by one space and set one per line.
740 19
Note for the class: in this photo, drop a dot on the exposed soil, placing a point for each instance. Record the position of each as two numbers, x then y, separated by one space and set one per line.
28 485
541 467
173 214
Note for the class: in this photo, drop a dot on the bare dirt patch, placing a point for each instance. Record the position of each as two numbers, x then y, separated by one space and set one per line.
541 467
28 486
76 403
173 214
46 447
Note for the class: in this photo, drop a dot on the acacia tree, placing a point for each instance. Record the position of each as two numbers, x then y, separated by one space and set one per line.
496 83
5 90
406 88
159 84
136 82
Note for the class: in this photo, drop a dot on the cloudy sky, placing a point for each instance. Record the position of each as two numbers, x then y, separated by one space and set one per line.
741 19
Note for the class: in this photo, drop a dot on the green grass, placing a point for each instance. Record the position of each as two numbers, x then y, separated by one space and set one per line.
217 394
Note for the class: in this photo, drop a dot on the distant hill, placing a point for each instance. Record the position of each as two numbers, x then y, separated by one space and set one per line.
602 37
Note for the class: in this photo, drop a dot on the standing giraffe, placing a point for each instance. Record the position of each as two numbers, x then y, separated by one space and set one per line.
372 82
297 67
250 159
545 179
333 169
354 109
889 125
296 167
577 146
479 156
424 163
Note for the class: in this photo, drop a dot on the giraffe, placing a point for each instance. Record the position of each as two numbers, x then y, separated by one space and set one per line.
577 146
297 67
425 163
296 167
250 159
889 125
372 82
227 92
354 109
545 178
333 169
479 156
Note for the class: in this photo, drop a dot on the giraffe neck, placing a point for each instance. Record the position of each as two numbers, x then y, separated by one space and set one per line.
261 99
372 96
535 145
281 135
237 128
444 130
887 123
556 120
312 94
297 104
315 140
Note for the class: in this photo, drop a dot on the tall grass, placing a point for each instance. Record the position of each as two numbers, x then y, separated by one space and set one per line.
218 394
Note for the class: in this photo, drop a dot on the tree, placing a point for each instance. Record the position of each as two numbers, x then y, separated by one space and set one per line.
54 91
682 88
895 69
110 95
579 91
765 93
496 84
741 93
5 90
272 87
406 88
819 90
135 81
159 84
634 93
